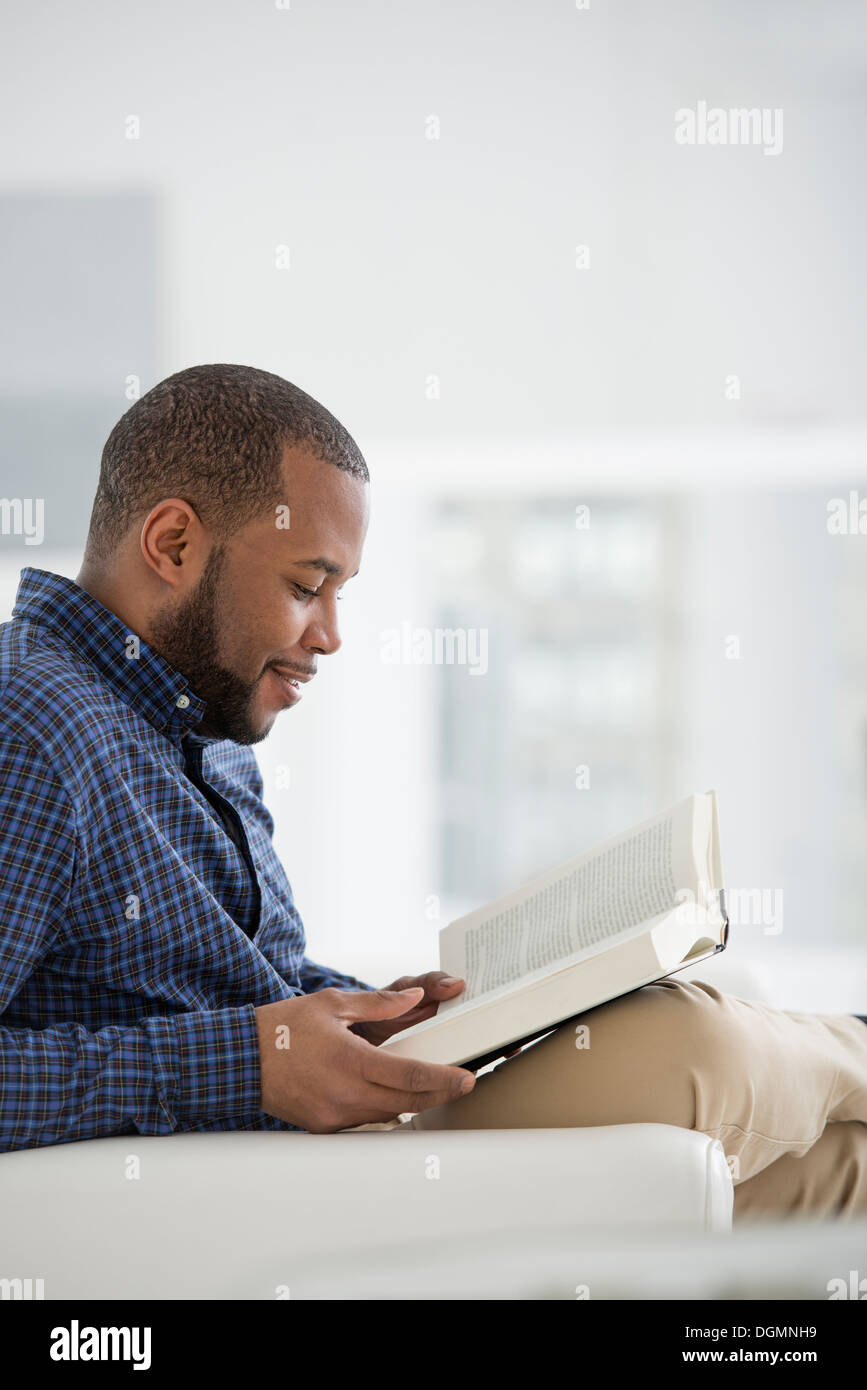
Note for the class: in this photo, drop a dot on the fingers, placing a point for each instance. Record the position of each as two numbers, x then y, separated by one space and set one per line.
405 982
436 984
439 985
405 1076
357 1004
395 1103
333 1078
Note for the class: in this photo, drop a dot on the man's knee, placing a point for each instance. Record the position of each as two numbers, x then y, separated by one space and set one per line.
637 1058
829 1180
676 1039
671 1020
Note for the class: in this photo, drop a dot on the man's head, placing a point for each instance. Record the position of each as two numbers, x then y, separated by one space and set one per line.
231 508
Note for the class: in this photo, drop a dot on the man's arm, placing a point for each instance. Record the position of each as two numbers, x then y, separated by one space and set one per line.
314 977
64 1082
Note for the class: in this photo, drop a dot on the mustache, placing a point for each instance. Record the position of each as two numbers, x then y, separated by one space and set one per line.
282 666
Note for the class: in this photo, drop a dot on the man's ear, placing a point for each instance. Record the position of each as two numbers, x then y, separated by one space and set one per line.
173 541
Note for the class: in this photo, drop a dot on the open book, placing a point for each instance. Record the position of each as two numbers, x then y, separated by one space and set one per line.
635 909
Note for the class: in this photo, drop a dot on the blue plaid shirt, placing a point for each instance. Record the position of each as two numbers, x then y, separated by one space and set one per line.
143 910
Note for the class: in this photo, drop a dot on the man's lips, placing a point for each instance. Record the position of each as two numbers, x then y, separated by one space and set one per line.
296 677
290 682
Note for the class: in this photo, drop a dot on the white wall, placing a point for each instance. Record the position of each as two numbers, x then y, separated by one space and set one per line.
305 127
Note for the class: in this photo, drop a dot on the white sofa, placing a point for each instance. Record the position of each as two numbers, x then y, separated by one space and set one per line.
265 1215
367 1214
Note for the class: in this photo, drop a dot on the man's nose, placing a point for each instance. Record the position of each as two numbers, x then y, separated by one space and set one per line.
322 634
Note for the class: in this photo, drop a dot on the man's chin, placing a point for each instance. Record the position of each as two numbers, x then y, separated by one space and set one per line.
252 729
262 730
255 730
259 724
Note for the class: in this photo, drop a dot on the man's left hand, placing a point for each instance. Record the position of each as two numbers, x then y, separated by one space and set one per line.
436 985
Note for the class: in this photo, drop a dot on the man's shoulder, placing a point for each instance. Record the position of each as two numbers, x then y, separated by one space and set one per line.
51 697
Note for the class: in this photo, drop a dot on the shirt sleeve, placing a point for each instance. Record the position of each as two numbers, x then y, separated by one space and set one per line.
315 977
64 1082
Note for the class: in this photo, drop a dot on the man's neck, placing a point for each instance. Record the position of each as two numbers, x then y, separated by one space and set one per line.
110 590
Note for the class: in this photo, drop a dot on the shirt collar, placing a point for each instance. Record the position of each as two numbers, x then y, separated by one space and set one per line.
140 676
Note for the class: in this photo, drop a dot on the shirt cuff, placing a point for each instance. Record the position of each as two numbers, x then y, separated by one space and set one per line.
206 1063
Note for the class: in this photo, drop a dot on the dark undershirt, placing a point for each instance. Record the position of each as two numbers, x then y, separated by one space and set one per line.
231 823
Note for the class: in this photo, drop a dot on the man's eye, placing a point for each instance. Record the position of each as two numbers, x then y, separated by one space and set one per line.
307 593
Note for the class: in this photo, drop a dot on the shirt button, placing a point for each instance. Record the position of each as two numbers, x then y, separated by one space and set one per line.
182 701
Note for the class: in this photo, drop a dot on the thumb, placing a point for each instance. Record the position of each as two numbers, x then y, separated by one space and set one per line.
380 1003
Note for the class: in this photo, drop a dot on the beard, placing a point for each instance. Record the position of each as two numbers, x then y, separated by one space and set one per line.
188 637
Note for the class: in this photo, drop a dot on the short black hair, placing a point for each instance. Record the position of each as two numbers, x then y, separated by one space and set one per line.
214 435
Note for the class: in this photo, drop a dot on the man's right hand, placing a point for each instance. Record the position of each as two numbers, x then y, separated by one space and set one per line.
318 1075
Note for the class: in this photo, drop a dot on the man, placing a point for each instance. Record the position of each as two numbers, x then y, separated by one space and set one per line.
152 961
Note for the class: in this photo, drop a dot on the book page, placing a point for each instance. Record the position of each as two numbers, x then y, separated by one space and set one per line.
582 904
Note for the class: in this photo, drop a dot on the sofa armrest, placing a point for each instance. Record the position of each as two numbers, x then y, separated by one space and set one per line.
246 1215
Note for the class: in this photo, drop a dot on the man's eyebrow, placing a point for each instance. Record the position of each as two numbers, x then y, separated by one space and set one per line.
320 563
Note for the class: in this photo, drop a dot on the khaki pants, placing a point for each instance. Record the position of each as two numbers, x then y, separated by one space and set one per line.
786 1093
